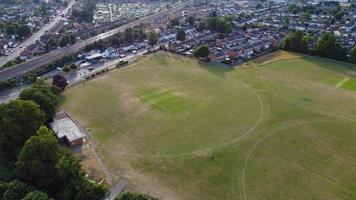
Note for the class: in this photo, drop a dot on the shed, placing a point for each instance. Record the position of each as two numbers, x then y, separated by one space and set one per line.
66 130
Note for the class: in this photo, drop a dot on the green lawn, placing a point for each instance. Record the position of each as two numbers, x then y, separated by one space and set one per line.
350 85
182 129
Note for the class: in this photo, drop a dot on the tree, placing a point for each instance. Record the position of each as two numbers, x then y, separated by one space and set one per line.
73 66
181 35
174 22
190 20
128 36
38 158
353 55
73 178
36 195
293 9
203 24
65 40
305 17
327 46
152 38
134 196
286 21
72 38
293 41
66 68
59 81
16 190
24 31
306 40
52 43
19 120
202 52
42 94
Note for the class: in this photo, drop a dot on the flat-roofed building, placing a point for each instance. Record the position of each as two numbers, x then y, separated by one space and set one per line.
66 130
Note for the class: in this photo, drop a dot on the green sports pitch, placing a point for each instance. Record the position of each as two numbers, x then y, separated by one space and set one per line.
183 129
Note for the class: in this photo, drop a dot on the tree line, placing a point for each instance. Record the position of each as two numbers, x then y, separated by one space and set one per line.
325 45
36 167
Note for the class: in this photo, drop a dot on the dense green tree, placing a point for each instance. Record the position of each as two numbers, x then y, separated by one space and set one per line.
73 66
66 68
24 31
11 28
181 35
19 120
202 52
174 22
293 42
72 38
52 43
203 24
286 21
42 94
152 37
304 17
38 158
305 42
36 195
134 196
16 190
72 177
292 8
128 35
353 55
65 40
327 46
217 24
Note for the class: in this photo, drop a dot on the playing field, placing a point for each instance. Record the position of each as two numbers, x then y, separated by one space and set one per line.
182 129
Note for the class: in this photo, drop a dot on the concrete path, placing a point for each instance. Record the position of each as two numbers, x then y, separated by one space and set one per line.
117 189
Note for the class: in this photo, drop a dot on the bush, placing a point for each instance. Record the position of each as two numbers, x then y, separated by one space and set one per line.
73 66
66 68
202 52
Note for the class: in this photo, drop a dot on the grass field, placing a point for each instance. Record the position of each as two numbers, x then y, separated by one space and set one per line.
181 129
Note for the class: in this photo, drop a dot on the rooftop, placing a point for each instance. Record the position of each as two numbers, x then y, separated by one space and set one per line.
64 127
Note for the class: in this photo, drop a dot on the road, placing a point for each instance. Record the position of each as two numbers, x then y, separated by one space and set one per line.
36 36
22 68
117 189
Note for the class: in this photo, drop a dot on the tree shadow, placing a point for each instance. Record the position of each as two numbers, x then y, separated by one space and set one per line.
215 69
341 67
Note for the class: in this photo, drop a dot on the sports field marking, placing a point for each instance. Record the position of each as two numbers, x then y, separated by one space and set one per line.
288 125
342 82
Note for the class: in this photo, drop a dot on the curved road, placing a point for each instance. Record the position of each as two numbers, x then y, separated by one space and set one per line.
25 67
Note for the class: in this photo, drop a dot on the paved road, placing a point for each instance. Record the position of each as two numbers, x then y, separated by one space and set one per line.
22 68
117 189
36 36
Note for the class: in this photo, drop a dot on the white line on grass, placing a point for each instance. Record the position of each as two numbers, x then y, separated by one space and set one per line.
342 82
